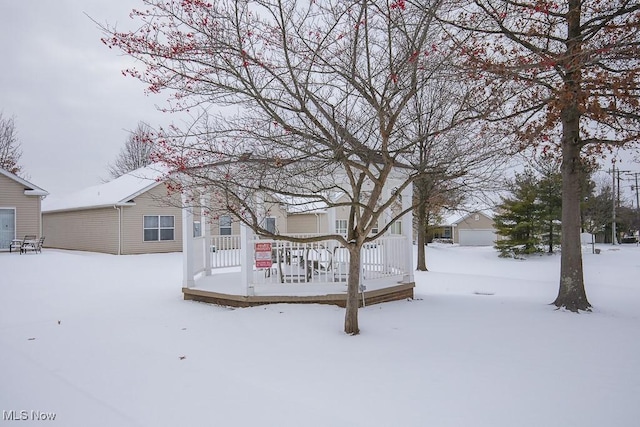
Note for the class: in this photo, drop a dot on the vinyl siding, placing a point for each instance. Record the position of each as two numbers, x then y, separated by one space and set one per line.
273 210
94 230
307 223
342 212
469 223
215 226
27 207
153 202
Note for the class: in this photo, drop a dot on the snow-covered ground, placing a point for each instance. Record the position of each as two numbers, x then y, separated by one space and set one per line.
102 340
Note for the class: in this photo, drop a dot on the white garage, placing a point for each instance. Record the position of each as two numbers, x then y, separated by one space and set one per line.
477 237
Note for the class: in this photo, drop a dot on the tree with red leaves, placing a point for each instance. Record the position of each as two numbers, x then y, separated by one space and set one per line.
569 71
299 101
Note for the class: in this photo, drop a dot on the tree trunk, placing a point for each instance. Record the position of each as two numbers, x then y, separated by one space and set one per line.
421 219
353 286
551 236
571 294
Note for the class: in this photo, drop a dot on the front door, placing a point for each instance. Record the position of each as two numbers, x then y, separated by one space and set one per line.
7 227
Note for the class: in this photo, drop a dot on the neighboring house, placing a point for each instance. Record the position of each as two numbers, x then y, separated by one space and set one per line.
466 228
312 217
129 215
301 216
20 208
297 215
224 224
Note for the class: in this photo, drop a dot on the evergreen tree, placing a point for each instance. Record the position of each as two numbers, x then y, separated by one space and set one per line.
549 202
519 218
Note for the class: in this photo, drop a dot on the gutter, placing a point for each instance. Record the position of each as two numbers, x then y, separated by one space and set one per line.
36 193
41 219
81 208
119 209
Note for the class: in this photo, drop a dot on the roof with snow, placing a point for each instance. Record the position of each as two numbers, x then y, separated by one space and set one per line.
118 192
29 188
453 218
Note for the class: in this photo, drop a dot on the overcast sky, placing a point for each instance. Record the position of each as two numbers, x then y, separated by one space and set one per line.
72 106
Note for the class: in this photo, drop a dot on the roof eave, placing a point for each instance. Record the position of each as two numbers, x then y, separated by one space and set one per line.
84 208
317 211
36 193
22 181
141 191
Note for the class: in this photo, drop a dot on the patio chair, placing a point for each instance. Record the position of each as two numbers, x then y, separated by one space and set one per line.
39 245
19 244
318 260
29 243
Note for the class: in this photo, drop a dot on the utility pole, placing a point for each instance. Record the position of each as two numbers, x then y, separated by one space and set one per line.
613 196
637 198
618 187
637 209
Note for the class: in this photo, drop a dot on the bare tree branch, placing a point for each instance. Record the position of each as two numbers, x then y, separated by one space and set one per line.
10 149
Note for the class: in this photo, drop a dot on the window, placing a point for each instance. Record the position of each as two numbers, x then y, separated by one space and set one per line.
225 225
396 227
158 227
476 217
375 229
270 224
446 233
197 229
341 226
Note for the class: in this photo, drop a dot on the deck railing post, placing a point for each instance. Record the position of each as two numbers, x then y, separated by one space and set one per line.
407 231
205 226
188 280
246 259
331 220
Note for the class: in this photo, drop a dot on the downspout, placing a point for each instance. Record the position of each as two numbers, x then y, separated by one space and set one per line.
41 225
119 209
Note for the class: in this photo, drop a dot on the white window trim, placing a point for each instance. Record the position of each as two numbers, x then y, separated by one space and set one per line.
159 228
275 223
226 227
375 229
339 229
396 228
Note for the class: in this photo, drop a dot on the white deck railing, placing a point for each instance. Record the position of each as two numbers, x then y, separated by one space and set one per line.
328 262
317 263
225 251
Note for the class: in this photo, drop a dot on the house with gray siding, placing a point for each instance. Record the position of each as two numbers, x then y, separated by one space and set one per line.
20 208
132 214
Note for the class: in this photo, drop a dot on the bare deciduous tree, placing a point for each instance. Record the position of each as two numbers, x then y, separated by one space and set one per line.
455 158
136 153
10 150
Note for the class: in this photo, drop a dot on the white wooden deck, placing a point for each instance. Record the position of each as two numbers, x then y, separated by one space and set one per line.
228 281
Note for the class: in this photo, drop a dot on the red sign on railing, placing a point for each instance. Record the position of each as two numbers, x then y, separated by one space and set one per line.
263 255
